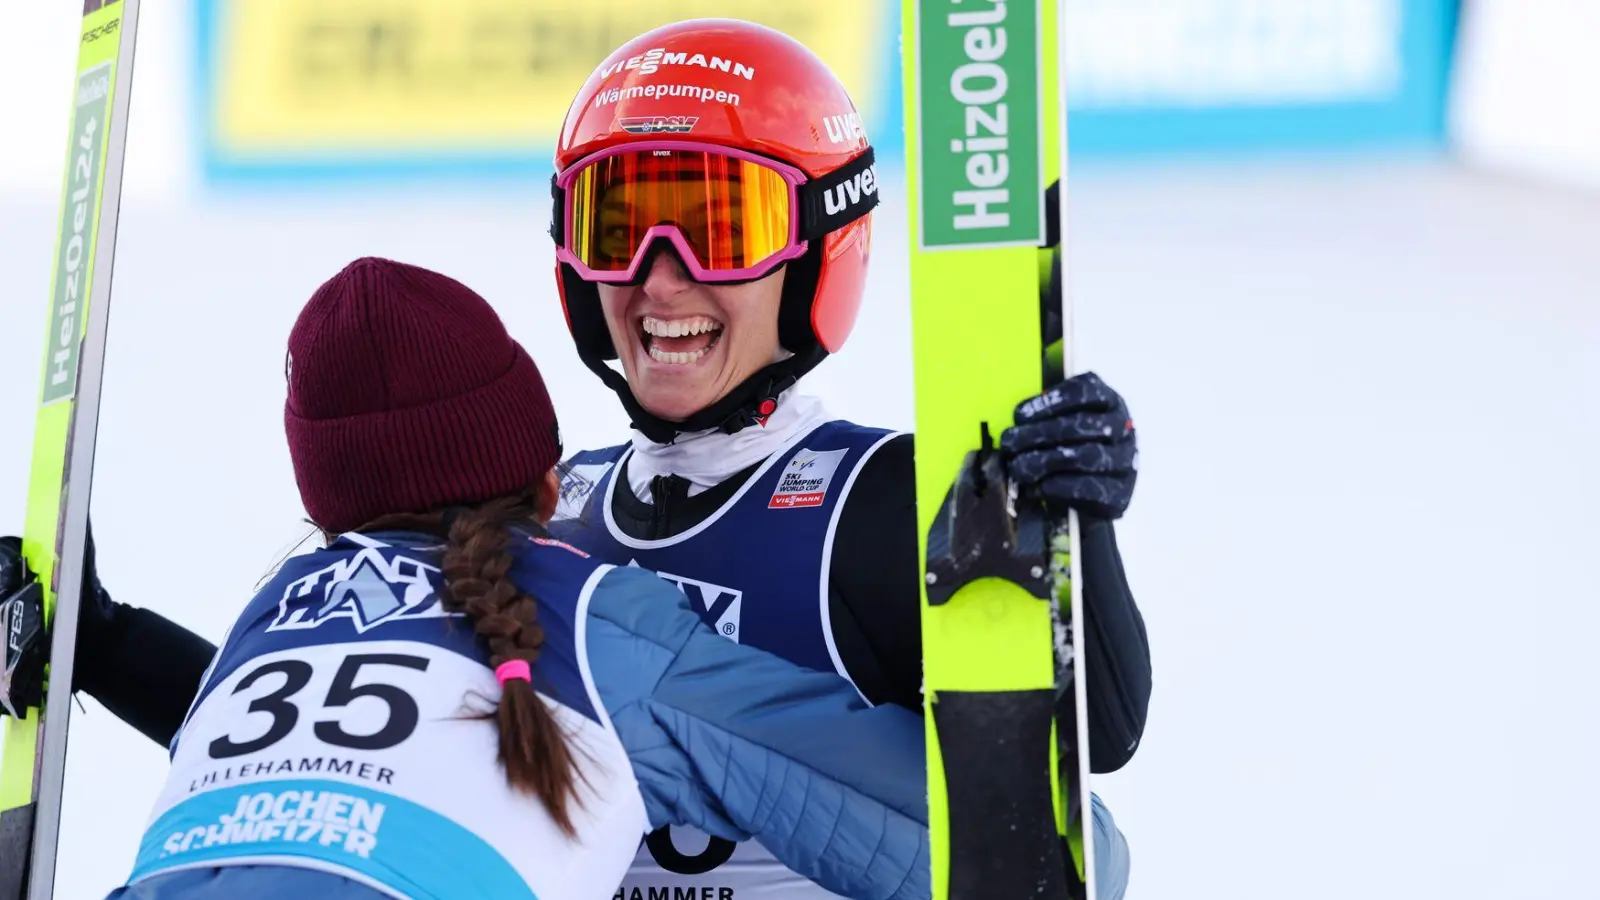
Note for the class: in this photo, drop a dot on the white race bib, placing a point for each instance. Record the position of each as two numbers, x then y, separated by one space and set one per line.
367 759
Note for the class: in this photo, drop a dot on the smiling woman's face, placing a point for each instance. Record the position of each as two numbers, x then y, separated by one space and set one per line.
684 345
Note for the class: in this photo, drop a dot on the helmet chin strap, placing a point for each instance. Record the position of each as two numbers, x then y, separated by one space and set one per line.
747 404
753 399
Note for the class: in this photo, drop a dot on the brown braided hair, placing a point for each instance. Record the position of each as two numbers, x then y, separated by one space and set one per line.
477 560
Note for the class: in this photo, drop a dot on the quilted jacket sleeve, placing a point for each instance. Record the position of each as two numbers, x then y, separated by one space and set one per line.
744 745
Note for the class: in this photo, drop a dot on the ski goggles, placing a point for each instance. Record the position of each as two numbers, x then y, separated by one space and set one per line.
731 215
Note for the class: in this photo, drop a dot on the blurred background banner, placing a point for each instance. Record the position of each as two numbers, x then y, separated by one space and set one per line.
298 88
1164 76
418 87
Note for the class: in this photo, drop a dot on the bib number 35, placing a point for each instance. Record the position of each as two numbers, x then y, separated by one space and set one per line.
398 724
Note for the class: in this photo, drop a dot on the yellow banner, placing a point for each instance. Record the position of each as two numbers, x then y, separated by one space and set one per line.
312 76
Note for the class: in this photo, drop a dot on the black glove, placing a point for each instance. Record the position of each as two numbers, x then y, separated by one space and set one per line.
1074 447
24 643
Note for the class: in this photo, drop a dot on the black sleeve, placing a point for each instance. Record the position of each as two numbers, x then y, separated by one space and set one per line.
1116 650
144 668
875 604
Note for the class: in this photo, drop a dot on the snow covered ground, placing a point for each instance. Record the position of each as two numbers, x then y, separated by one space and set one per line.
1364 394
1365 399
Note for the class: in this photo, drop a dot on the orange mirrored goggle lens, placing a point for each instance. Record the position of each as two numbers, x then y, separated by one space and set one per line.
734 213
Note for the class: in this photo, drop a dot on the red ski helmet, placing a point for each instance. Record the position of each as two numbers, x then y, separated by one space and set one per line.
755 93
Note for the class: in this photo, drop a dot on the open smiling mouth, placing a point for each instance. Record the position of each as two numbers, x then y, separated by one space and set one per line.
679 341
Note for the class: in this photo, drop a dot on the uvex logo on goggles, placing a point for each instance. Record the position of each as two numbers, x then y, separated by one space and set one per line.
730 214
861 186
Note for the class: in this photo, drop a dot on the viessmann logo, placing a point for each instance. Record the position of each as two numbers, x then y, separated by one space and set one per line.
657 58
658 124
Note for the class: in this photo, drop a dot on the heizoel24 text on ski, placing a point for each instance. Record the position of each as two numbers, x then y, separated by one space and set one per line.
982 126
33 756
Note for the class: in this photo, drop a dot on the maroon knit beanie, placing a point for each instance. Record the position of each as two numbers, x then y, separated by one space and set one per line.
406 394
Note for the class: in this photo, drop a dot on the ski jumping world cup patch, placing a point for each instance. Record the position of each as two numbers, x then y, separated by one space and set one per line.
805 479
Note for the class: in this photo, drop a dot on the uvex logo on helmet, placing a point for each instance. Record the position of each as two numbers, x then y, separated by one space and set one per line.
848 193
656 58
844 128
657 124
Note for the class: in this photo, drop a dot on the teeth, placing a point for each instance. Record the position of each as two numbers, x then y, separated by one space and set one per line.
677 359
679 327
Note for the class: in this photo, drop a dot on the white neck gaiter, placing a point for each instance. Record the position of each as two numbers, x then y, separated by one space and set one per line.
707 458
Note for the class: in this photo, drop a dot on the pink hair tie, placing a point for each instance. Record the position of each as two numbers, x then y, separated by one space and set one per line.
513 668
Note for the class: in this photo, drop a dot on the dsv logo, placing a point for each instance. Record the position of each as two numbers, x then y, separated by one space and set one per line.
658 124
842 196
718 606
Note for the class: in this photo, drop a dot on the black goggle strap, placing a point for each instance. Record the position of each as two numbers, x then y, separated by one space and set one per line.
827 203
838 198
558 212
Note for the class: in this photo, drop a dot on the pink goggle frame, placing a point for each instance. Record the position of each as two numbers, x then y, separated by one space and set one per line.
794 248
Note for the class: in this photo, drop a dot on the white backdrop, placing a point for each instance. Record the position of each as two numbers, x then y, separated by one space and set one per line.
1364 394
1524 102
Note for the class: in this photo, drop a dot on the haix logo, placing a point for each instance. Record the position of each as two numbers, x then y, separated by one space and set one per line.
718 606
844 129
368 588
656 58
843 196
658 124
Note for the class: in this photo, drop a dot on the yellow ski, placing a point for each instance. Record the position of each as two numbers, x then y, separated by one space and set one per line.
984 139
33 754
